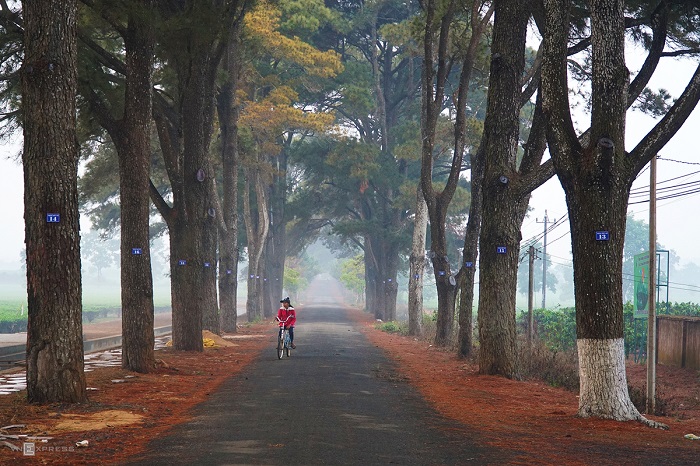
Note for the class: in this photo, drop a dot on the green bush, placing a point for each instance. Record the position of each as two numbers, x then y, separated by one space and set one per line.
393 327
556 329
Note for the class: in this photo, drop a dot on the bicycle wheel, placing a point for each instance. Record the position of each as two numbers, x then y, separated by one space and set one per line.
280 348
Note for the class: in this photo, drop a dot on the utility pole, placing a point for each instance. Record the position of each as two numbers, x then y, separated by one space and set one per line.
530 296
544 259
651 325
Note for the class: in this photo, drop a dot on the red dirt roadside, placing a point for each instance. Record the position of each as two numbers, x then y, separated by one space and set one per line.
125 409
538 420
534 421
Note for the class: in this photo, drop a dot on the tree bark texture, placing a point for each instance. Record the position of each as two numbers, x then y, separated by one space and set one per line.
470 255
434 76
211 319
189 294
50 157
371 277
257 227
596 176
417 267
503 206
436 68
604 391
269 303
229 112
134 170
185 127
278 242
390 288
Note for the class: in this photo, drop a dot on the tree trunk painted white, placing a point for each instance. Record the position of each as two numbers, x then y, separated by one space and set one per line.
603 386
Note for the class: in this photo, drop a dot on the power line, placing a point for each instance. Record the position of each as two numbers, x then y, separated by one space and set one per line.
666 189
646 187
689 192
677 161
570 261
560 237
534 239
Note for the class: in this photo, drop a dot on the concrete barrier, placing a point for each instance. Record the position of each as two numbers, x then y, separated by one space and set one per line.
18 352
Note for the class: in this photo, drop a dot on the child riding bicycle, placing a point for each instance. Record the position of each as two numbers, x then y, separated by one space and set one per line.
287 317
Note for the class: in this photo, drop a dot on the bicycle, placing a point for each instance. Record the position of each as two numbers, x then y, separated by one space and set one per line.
284 342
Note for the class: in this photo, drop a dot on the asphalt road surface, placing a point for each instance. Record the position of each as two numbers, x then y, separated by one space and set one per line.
337 400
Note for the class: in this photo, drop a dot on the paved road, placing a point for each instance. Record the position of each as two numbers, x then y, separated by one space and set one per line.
337 400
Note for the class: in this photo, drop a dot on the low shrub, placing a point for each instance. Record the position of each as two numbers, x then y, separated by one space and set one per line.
638 395
393 327
556 368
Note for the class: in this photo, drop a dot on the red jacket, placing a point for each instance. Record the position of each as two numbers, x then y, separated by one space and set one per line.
283 313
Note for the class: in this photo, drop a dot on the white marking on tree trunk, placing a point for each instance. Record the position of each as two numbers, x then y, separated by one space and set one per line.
603 382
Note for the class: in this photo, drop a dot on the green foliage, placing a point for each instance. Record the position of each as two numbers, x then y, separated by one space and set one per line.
654 104
294 281
393 327
305 17
556 329
352 274
13 316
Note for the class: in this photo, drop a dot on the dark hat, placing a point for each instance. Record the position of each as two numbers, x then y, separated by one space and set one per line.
285 300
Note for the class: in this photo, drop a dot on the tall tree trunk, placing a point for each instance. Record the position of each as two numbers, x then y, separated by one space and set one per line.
470 254
379 280
187 322
50 157
185 127
134 172
445 289
371 278
596 173
503 206
278 223
196 176
257 229
599 320
228 246
417 267
269 304
211 320
436 69
391 287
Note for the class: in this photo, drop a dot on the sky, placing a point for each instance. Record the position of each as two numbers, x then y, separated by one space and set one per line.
678 219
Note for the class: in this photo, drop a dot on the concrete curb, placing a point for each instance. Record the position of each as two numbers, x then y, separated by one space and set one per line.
18 352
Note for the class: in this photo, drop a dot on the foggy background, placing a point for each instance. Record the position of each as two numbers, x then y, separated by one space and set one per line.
678 222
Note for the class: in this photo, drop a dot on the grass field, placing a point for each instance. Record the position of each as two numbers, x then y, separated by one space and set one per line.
95 306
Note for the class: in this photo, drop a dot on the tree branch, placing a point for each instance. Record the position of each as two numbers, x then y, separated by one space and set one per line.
165 210
659 26
107 59
532 173
105 14
669 125
563 142
679 53
102 113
